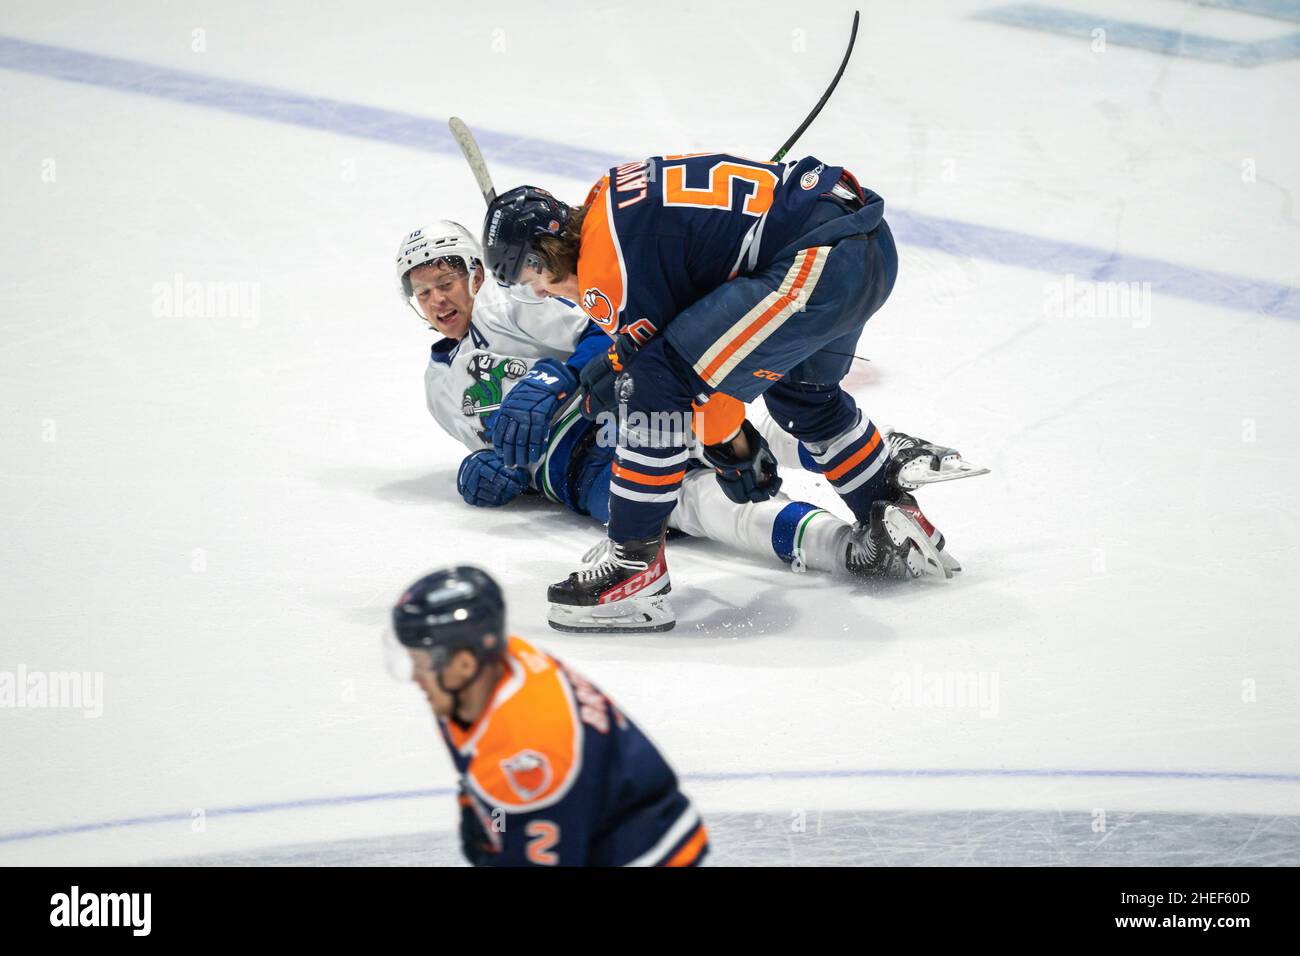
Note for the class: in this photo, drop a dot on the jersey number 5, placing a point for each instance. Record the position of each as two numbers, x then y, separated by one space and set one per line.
542 835
717 194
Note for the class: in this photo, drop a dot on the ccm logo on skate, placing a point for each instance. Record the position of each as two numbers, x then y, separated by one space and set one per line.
770 376
921 519
632 585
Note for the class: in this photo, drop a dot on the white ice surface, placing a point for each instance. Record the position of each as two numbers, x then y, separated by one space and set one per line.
216 513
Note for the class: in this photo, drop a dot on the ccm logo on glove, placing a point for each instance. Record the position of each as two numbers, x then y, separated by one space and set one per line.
522 425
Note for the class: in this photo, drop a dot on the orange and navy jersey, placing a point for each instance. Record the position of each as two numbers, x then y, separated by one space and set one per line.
662 232
559 776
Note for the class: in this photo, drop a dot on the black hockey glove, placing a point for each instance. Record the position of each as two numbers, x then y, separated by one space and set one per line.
474 841
749 481
600 375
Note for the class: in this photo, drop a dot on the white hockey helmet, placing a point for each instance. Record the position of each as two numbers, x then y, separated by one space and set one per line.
443 239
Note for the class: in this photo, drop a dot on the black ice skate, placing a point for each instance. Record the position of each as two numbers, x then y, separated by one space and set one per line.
898 541
625 589
914 462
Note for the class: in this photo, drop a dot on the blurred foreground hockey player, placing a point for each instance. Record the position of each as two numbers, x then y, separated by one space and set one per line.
552 772
716 274
490 353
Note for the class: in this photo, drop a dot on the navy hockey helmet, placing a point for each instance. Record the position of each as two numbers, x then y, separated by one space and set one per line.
514 219
451 609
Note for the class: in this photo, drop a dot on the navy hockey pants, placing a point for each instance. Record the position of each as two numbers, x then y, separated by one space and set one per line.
788 333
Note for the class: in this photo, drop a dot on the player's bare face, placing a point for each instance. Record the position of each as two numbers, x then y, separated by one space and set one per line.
460 673
544 286
444 296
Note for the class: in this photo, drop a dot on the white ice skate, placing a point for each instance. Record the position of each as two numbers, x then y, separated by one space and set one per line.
914 462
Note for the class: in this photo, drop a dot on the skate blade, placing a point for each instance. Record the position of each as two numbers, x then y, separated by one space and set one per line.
923 558
931 471
633 616
948 560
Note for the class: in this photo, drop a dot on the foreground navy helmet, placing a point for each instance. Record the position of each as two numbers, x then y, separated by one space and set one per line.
454 608
514 219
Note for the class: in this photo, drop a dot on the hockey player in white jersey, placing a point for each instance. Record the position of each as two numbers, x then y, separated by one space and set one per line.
495 339
491 334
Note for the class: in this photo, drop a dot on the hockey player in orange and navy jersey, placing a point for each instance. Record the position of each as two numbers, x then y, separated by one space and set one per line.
718 275
552 772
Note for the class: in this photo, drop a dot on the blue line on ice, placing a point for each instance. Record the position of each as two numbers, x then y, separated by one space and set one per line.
1078 23
724 776
430 134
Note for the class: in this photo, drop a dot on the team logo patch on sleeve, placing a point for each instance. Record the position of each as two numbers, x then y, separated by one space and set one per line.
810 179
528 772
597 305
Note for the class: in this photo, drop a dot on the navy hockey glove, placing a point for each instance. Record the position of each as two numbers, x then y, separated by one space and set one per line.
485 481
474 841
601 373
749 480
522 425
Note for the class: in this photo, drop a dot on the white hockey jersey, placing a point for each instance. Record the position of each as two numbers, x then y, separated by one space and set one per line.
465 381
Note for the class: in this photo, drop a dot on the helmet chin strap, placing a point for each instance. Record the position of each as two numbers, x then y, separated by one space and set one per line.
455 694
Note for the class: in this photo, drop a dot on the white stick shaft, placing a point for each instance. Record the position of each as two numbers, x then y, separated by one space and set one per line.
465 140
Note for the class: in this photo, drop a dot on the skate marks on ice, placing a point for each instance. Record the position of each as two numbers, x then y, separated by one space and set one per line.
888 838
434 848
1002 838
724 594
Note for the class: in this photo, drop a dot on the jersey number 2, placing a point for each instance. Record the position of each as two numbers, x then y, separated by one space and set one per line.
542 834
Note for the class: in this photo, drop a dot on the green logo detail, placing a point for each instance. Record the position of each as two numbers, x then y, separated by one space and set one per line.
484 396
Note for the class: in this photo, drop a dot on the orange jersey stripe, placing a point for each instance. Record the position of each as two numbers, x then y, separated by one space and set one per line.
600 273
643 479
805 267
691 850
856 458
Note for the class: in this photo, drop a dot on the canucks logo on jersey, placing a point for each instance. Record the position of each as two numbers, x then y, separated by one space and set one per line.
484 396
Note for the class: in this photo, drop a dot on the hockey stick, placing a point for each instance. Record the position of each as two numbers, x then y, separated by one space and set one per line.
780 153
474 156
465 140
